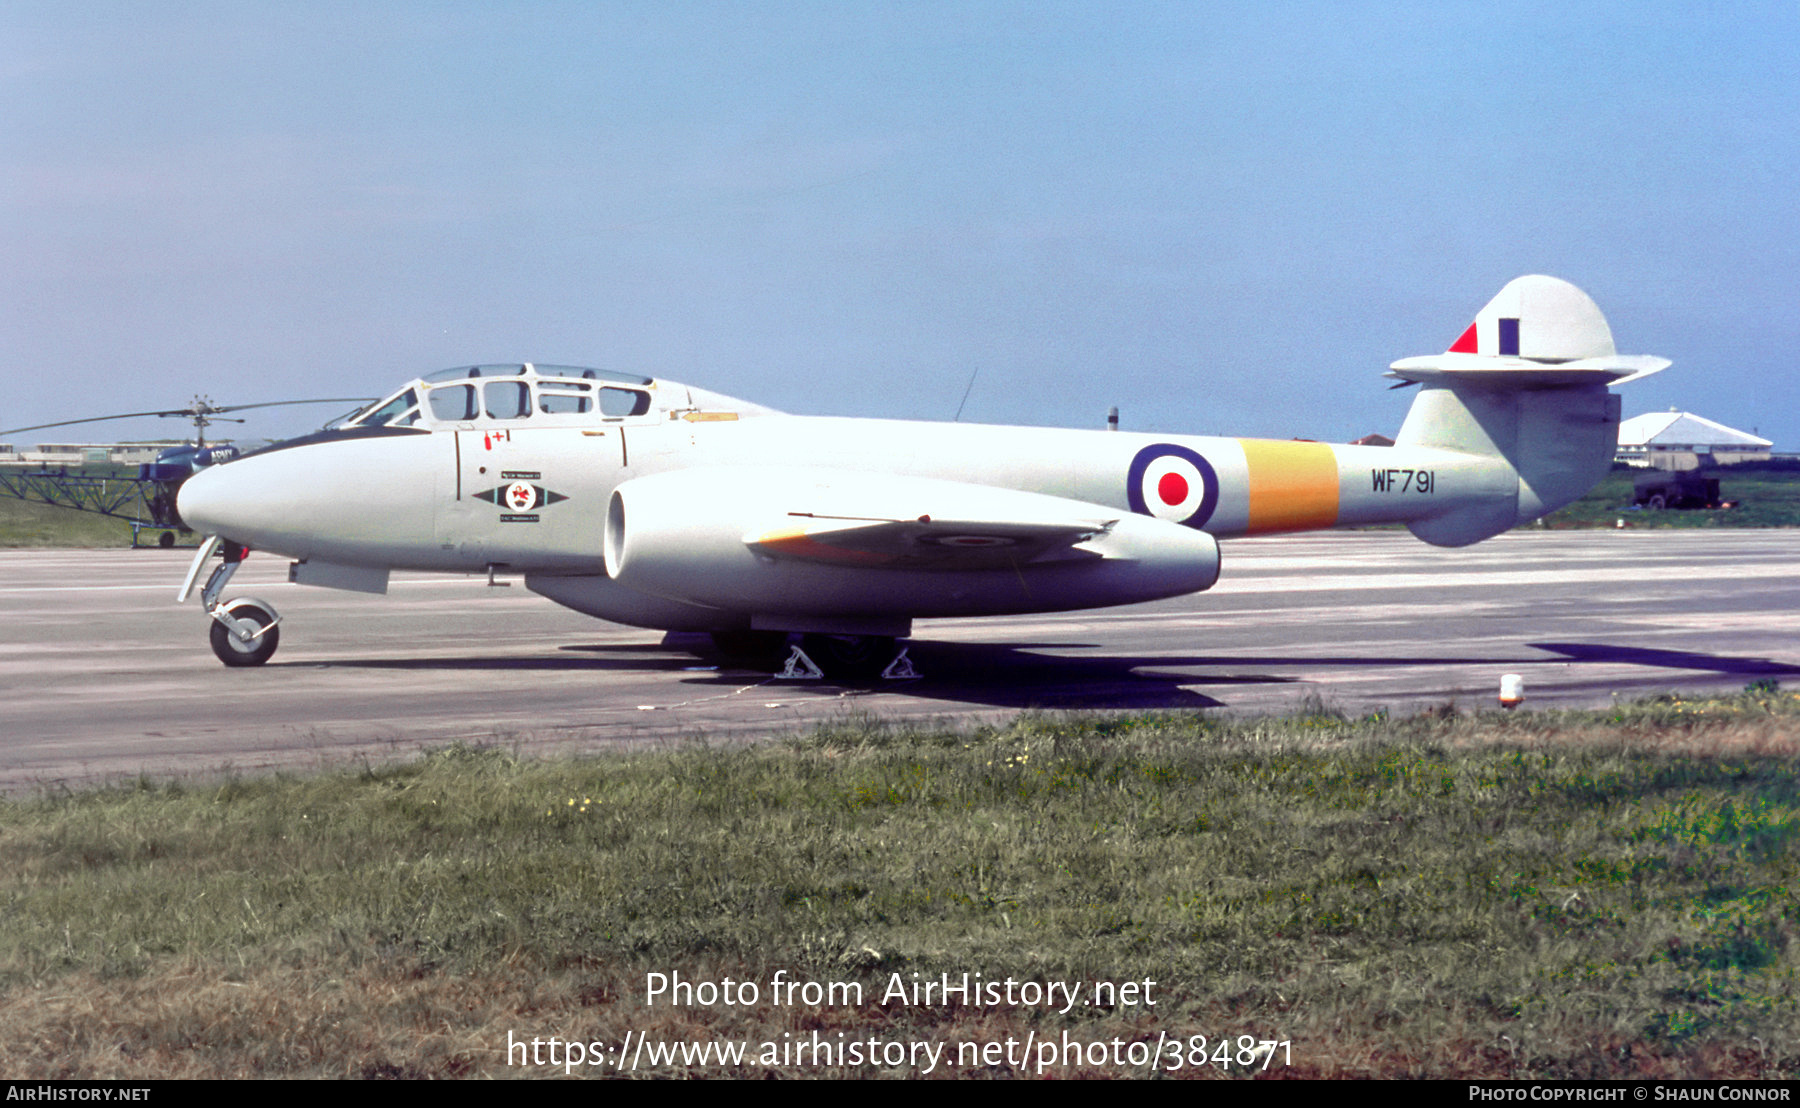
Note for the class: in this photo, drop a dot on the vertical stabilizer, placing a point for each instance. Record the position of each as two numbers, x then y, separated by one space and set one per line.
1525 383
1541 319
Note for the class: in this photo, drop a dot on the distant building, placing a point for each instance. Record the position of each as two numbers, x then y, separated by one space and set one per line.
86 453
1681 440
1372 440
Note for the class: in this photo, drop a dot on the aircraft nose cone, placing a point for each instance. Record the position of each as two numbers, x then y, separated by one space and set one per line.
346 498
212 503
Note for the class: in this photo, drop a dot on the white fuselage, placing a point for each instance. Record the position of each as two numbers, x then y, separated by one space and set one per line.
413 500
653 503
543 493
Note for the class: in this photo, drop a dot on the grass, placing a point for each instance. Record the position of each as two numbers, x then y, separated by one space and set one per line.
30 523
1530 895
1768 495
25 524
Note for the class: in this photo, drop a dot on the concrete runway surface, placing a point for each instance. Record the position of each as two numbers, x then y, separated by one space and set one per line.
103 676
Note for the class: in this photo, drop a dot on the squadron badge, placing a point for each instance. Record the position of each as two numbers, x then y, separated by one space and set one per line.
520 498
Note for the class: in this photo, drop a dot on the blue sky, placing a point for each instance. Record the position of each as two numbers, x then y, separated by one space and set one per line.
1223 218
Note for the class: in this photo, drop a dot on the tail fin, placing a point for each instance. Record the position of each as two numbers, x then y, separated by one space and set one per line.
1526 383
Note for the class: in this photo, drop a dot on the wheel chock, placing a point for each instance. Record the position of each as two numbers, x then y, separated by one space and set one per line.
800 668
900 669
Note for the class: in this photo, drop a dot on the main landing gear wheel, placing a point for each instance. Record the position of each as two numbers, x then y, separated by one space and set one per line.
234 651
849 657
752 646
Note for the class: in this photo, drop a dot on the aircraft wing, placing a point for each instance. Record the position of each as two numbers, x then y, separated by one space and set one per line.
775 541
925 542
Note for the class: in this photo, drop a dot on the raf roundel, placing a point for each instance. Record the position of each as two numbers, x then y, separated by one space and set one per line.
1173 483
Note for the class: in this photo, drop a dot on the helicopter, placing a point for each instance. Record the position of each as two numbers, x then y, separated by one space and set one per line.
148 499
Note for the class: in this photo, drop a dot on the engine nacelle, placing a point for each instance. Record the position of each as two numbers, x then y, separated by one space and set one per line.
606 599
771 542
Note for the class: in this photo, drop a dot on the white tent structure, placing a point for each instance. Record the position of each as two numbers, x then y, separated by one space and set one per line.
1681 440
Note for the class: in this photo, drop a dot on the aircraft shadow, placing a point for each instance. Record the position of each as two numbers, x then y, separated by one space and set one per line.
1017 675
1008 675
1000 676
1012 675
644 658
1665 659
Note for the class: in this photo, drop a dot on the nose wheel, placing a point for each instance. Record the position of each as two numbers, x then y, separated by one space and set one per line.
245 631
247 635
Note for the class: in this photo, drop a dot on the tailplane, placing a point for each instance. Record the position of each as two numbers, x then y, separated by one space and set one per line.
1526 383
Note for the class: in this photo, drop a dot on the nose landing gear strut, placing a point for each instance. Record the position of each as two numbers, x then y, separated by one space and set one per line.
245 629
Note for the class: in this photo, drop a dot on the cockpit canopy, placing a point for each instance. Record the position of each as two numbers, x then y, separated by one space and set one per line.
512 392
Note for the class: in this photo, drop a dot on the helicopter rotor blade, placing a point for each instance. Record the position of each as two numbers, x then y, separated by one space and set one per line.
195 410
282 403
91 419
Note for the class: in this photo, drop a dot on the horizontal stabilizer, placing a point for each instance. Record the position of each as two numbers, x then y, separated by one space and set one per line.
1523 373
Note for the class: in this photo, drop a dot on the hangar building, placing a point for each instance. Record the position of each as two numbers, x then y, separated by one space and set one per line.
1681 440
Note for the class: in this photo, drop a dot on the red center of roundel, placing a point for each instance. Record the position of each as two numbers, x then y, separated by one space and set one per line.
1173 488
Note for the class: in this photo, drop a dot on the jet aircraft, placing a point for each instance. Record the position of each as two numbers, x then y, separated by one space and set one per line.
655 504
